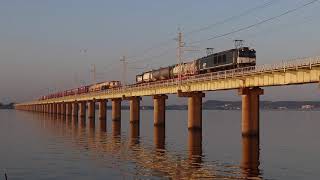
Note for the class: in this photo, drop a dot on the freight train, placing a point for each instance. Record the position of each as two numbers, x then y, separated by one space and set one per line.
225 60
101 86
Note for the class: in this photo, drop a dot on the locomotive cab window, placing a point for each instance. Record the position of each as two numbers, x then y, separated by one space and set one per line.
252 54
219 59
224 59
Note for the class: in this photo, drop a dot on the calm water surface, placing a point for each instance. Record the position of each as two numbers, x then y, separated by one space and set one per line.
39 146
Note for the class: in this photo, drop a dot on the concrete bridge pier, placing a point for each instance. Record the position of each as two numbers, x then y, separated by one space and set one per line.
116 109
159 111
54 109
63 109
103 109
250 110
103 114
116 116
75 109
46 108
51 108
82 109
68 109
194 108
58 107
91 113
134 109
91 109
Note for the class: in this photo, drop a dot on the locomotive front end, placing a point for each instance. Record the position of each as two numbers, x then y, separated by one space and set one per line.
246 57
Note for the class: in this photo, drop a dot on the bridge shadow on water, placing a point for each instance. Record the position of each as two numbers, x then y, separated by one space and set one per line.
151 159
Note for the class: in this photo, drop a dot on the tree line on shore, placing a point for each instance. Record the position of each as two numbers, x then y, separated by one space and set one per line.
6 106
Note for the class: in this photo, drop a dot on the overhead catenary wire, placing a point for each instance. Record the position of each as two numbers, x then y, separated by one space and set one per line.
256 24
134 59
243 28
138 57
244 13
241 14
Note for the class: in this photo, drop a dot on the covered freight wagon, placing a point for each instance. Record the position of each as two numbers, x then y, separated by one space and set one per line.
190 68
161 74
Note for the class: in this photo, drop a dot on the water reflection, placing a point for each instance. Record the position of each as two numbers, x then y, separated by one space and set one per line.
153 159
103 125
69 122
82 122
134 133
195 146
92 123
116 128
159 137
250 157
74 121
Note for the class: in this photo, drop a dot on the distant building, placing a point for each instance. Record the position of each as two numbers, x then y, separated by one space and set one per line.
307 107
282 108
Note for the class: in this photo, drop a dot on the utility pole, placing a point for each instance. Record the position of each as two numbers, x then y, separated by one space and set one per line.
94 73
180 55
124 70
75 79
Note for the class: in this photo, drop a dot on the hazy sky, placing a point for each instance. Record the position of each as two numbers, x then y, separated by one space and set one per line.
50 45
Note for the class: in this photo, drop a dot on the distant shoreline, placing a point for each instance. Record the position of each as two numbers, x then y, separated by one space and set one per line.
231 105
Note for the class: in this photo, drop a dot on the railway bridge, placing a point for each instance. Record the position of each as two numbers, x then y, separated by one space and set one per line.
249 81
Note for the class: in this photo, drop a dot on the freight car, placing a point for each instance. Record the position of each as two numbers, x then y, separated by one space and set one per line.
225 60
104 86
84 89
